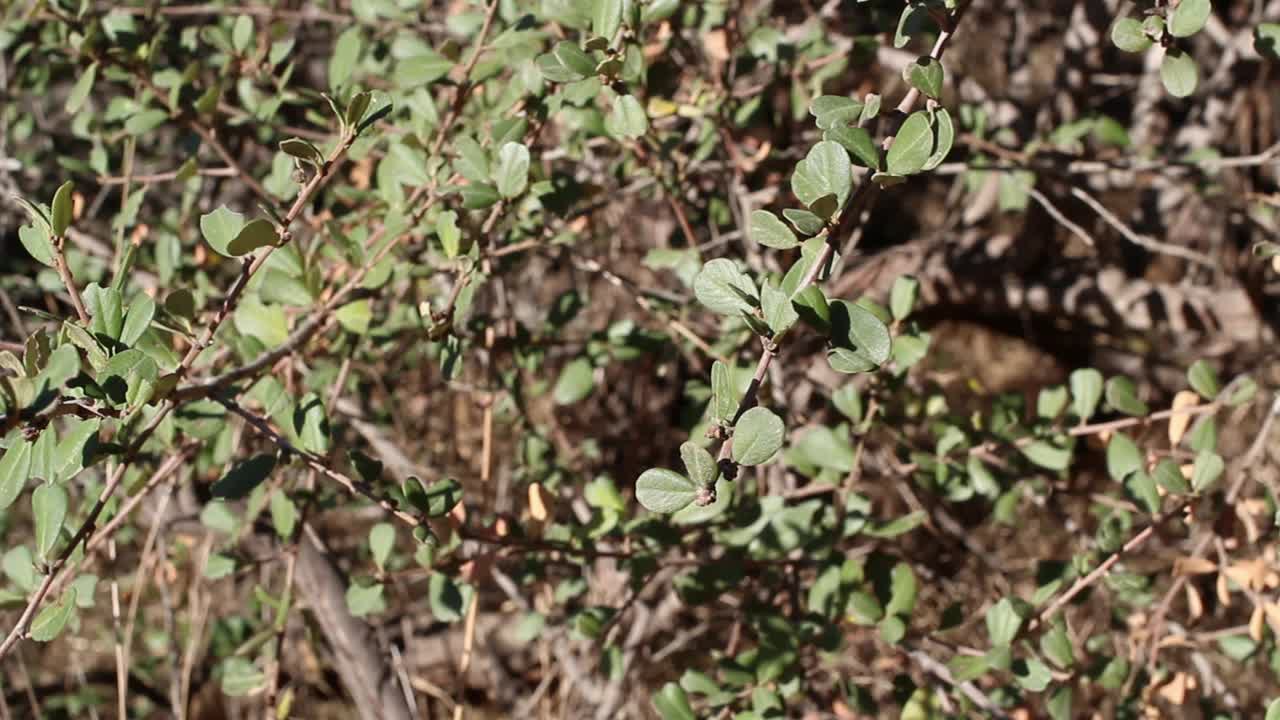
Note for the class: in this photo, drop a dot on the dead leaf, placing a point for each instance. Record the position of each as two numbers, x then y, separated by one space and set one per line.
1256 625
1193 566
1195 604
1179 421
716 45
1175 691
1250 574
1272 611
539 502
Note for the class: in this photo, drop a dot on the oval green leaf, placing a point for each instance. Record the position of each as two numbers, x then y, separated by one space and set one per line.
757 436
664 491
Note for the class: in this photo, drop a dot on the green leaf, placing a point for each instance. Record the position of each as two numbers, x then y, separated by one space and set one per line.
240 677
893 629
926 75
699 463
1059 704
346 51
244 476
442 496
242 33
355 317
1003 622
479 196
693 513
447 598
912 146
422 69
62 365
944 138
365 600
85 586
1047 455
1032 674
1179 73
51 620
858 142
511 175
1208 468
1242 391
49 508
219 566
768 230
60 214
902 591
106 307
831 172
1143 490
356 108
757 436
663 491
862 341
965 668
137 320
75 449
257 233
576 382
220 227
145 121
449 234
1056 645
1273 710
267 323
1189 17
914 20
627 119
779 314
35 238
607 18
1123 396
672 703
1128 35
19 567
311 423
725 289
382 537
835 111
302 150
1086 391
724 393
804 221
1204 380
80 91
15 467
181 303
1123 457
566 63
1169 476
284 514
903 295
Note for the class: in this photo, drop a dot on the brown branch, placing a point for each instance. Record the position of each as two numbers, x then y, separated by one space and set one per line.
64 272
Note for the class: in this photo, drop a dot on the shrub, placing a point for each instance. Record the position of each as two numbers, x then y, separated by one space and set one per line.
614 357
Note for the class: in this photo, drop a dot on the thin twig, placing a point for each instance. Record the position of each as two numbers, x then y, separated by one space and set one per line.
1143 241
1063 220
64 272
